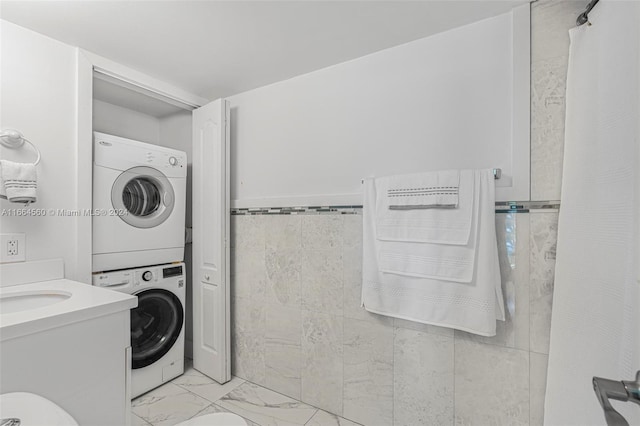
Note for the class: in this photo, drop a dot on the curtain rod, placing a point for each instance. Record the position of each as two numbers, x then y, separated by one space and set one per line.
583 18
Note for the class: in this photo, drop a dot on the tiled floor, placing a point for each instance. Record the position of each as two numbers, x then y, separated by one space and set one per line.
194 394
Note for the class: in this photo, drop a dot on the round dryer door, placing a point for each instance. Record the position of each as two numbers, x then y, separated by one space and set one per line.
155 326
145 194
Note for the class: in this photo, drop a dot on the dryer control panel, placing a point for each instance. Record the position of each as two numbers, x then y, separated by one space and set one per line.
122 154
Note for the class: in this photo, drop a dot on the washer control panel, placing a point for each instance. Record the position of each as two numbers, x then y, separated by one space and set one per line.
120 280
113 279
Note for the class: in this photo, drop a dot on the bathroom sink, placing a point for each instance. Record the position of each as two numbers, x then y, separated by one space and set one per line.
24 301
43 305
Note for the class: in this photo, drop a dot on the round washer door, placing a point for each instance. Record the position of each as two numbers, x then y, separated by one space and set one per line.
145 194
155 326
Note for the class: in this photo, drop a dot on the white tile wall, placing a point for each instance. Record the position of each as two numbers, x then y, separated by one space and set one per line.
423 383
323 348
368 372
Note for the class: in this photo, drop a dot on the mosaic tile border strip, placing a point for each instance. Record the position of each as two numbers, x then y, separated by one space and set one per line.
310 210
527 206
501 207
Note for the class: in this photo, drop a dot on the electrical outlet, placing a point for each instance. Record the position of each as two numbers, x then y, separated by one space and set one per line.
12 248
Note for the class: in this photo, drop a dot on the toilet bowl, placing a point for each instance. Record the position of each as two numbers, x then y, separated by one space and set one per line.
33 410
215 419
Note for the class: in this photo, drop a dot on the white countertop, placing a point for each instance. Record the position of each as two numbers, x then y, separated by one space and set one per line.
86 302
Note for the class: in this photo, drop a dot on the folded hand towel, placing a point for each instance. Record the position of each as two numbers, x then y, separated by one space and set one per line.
18 181
438 261
472 307
440 226
422 190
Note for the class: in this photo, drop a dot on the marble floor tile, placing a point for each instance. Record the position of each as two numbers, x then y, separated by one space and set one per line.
368 372
138 421
196 382
322 418
491 385
423 378
167 405
213 408
265 407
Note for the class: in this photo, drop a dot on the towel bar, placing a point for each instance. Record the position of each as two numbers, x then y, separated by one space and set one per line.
13 139
497 174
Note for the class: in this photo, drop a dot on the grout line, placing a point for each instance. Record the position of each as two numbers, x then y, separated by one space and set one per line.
529 387
144 421
196 414
393 373
314 414
342 317
300 401
453 377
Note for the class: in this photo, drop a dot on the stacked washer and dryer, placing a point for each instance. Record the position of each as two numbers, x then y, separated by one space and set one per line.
139 202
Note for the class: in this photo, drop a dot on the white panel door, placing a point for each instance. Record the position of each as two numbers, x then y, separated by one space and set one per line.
211 321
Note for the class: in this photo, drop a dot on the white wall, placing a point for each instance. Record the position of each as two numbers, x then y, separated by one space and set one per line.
446 101
38 85
124 122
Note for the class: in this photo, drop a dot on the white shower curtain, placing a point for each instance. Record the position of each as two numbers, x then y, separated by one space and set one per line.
595 327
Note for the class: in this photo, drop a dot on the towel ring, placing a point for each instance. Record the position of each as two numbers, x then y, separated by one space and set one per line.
13 139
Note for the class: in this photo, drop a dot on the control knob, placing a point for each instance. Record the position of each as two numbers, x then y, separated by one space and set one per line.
173 161
147 275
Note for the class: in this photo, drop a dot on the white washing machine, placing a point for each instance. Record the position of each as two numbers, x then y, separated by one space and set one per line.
139 202
157 324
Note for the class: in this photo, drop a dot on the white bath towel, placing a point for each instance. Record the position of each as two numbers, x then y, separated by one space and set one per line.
447 226
18 181
473 307
421 190
447 262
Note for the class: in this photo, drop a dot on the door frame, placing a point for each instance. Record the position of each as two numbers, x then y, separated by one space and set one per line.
86 63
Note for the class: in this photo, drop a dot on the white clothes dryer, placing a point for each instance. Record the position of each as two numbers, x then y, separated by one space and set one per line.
157 324
139 202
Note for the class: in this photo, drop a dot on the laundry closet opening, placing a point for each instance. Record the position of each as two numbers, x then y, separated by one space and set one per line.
129 110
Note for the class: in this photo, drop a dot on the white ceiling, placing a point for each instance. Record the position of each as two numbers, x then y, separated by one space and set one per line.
220 48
